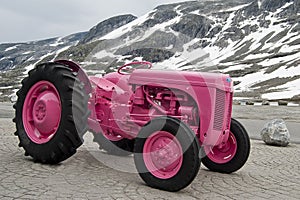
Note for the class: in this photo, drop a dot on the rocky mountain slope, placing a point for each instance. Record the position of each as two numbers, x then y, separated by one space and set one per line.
256 41
16 59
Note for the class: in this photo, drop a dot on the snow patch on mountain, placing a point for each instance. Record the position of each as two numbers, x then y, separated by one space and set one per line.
126 28
11 48
269 47
57 42
288 91
256 42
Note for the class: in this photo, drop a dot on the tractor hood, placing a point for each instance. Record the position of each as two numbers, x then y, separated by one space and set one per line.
169 78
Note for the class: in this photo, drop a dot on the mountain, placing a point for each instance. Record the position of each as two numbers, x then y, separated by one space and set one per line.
16 59
256 41
106 27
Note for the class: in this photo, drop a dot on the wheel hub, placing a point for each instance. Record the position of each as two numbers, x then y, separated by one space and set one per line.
163 154
46 113
223 153
41 112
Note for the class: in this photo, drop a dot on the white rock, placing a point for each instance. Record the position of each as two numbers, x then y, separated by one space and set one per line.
276 133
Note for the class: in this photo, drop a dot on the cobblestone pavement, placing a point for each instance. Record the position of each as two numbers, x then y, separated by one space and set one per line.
270 173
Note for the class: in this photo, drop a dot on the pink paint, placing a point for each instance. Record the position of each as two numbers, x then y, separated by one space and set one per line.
121 103
130 67
202 100
162 155
41 112
81 75
223 153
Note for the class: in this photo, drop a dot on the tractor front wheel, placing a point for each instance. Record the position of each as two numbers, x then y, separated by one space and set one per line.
166 154
232 155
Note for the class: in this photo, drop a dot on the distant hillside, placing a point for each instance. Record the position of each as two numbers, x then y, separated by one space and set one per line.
256 42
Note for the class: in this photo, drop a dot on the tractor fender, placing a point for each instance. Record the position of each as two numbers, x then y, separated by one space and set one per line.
81 75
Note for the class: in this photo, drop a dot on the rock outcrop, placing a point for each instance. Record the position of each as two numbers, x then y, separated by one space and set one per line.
276 133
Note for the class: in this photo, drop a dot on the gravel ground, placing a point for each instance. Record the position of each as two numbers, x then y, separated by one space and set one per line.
270 173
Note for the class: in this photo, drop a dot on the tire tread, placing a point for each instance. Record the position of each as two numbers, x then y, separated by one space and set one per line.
74 109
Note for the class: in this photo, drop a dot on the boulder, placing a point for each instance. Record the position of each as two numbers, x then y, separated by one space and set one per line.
283 103
276 133
265 103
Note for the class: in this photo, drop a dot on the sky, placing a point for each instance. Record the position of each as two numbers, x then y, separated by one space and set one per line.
27 20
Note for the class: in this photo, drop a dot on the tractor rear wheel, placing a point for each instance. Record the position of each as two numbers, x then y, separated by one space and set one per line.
51 113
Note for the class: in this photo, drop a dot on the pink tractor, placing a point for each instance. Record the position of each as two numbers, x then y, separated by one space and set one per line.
169 120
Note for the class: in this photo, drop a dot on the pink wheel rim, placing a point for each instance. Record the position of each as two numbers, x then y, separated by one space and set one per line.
162 154
41 112
223 153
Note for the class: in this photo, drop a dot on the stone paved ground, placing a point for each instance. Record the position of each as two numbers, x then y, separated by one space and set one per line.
270 173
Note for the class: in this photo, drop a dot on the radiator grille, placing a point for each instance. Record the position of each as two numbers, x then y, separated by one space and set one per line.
219 109
229 110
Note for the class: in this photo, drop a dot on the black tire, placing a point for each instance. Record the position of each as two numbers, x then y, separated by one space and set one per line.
190 148
242 152
74 114
123 147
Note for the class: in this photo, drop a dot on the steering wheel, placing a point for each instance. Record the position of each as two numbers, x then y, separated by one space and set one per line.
130 67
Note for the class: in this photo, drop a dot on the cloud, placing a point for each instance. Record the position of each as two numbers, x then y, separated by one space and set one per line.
35 19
